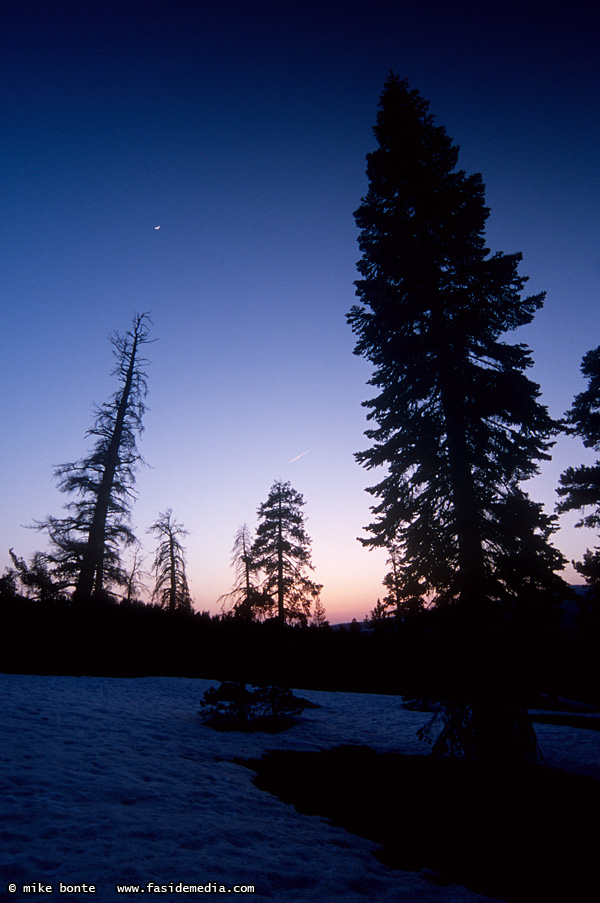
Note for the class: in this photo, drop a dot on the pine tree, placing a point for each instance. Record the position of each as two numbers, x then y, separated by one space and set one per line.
402 597
171 587
580 486
85 546
134 578
319 617
379 615
246 601
459 424
281 551
242 559
36 578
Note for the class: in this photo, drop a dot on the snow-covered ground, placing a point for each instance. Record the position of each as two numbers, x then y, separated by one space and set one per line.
109 782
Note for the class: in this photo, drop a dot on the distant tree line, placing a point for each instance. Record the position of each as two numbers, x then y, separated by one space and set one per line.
415 658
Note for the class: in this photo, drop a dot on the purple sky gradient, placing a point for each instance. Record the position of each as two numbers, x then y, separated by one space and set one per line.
242 131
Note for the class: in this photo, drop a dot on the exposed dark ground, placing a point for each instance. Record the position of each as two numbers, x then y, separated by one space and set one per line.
520 835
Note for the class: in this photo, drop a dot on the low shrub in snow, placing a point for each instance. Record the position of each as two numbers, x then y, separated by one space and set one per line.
233 707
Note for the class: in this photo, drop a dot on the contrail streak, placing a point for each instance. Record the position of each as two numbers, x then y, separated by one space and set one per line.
301 455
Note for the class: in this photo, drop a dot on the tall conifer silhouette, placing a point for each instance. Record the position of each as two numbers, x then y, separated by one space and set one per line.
281 551
85 546
459 425
580 486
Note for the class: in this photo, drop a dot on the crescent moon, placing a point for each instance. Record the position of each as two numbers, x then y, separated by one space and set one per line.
157 227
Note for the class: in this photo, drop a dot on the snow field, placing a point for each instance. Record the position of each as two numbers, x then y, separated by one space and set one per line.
110 781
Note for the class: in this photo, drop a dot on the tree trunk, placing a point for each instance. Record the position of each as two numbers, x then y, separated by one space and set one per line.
173 589
471 567
91 576
280 608
482 719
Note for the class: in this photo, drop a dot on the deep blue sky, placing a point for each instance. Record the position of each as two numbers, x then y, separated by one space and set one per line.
241 129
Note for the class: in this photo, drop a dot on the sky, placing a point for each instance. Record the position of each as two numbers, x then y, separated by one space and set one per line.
242 132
